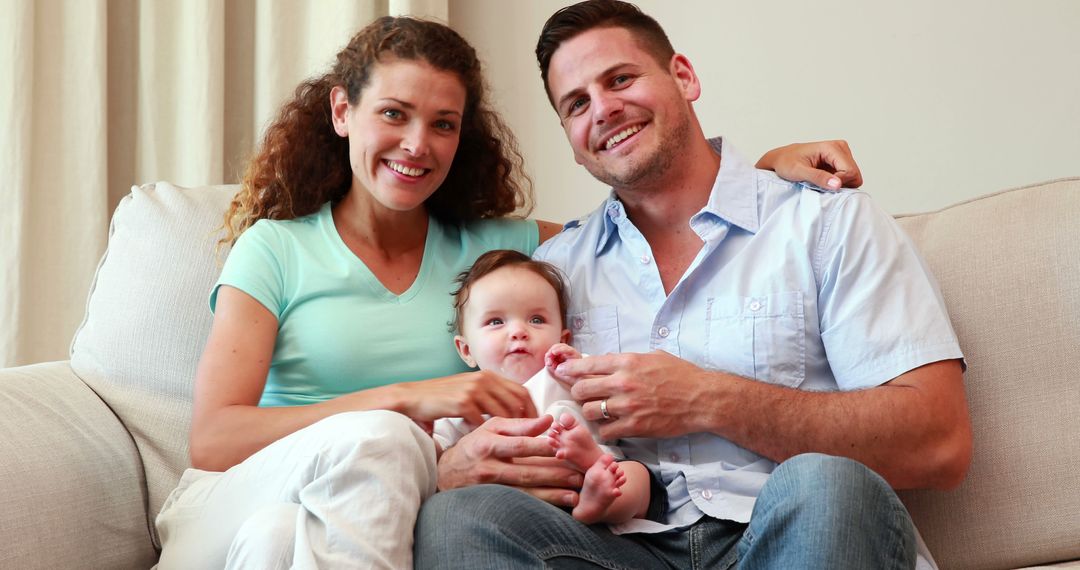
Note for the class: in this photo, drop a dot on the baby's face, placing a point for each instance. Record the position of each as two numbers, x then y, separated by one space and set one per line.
510 321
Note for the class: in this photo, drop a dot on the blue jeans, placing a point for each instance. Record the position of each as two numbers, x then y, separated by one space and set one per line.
815 511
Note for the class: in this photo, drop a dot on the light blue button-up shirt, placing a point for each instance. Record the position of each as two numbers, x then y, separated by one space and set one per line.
805 289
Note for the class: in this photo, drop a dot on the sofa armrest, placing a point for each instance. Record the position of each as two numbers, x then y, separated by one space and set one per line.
74 493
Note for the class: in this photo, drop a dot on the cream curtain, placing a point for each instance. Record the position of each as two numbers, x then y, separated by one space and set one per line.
99 95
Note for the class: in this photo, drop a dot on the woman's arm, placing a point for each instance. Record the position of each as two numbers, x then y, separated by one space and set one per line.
547 230
228 426
827 164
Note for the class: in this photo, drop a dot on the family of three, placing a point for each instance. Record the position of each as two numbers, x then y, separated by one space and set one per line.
763 362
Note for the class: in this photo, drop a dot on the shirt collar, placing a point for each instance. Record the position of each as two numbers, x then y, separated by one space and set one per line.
733 198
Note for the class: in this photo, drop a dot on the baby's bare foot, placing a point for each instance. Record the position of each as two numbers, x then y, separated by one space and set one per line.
601 488
573 442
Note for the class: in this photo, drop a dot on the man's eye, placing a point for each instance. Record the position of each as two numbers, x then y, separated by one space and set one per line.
620 80
576 105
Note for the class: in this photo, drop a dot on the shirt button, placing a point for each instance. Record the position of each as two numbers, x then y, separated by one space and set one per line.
663 332
578 323
755 306
706 494
645 259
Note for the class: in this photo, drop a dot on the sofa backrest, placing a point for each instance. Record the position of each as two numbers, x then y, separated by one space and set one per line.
1009 269
148 317
1008 265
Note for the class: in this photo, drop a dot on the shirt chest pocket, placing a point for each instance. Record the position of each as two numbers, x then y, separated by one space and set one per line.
761 337
596 330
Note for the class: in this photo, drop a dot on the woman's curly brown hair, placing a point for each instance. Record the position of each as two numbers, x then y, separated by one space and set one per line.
302 162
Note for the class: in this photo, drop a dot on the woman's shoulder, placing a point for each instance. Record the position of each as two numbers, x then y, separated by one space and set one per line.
497 233
294 228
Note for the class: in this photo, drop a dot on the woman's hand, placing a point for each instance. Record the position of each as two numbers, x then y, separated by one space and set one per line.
826 164
469 395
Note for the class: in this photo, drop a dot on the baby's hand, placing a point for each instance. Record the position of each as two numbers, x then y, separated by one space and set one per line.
556 355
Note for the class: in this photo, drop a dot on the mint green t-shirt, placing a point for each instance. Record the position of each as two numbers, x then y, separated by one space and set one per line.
339 329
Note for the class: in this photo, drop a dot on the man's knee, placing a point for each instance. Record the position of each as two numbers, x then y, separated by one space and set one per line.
828 512
819 477
823 486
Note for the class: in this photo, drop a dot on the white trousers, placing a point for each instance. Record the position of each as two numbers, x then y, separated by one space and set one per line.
341 493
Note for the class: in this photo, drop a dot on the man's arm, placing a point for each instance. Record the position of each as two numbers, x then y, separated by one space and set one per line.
913 430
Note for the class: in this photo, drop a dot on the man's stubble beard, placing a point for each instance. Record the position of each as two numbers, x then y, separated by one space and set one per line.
652 169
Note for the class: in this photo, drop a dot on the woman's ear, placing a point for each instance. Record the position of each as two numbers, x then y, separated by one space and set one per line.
339 110
463 351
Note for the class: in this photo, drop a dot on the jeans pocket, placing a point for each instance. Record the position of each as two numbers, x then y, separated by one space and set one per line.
761 337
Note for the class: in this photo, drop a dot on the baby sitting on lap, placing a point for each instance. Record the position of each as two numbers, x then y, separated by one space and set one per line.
509 319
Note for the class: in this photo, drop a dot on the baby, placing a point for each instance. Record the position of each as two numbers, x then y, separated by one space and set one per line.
509 319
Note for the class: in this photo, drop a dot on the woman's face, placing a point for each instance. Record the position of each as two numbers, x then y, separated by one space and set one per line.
403 132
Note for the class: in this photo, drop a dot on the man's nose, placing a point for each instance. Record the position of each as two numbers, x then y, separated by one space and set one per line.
605 107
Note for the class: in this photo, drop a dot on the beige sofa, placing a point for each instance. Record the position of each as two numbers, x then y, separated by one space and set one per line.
89 448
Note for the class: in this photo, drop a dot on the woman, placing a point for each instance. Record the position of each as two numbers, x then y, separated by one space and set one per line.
329 356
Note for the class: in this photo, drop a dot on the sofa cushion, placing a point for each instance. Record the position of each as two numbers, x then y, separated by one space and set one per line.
147 319
73 487
1009 268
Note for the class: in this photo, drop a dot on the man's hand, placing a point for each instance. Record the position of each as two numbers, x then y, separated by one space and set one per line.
647 395
507 451
826 164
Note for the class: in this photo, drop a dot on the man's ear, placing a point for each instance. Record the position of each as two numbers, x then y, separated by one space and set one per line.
685 77
339 110
463 351
565 336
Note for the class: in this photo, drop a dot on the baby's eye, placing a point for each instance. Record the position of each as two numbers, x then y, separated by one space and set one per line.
537 320
495 321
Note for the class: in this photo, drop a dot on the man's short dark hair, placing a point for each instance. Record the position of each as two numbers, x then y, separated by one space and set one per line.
584 16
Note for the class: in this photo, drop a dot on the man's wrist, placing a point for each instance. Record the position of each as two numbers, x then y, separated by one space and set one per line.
710 416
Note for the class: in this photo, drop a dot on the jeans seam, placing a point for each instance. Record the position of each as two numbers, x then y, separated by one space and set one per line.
695 550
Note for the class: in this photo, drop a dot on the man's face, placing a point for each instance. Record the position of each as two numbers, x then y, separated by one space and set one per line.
625 115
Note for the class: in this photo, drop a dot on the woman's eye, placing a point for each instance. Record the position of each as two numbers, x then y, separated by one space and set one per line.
392 114
445 126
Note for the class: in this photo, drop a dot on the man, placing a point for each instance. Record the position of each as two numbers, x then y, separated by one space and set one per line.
780 358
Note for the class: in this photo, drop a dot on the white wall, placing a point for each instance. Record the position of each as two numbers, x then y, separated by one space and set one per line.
940 100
